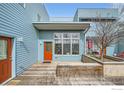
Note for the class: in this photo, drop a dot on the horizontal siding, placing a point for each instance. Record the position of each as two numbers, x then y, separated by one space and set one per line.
121 46
75 19
17 21
90 13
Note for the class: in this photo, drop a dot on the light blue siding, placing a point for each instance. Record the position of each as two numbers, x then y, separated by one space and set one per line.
111 50
61 19
48 36
76 19
16 22
121 46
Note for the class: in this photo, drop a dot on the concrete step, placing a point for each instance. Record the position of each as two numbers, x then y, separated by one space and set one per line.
39 73
48 64
41 69
22 77
45 67
33 82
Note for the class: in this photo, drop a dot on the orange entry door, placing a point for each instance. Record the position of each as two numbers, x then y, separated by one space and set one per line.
5 58
47 51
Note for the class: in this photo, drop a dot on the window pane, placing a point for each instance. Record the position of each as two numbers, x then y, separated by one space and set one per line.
66 46
3 49
66 41
66 49
66 35
48 46
75 41
58 41
57 35
75 35
75 46
58 48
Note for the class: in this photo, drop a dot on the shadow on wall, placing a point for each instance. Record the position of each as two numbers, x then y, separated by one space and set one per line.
24 46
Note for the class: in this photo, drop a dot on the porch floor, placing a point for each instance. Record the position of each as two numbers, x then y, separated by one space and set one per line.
46 74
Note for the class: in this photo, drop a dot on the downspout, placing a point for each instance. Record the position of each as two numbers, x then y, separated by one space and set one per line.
85 39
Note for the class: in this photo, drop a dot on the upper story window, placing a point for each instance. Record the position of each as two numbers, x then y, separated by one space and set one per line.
22 4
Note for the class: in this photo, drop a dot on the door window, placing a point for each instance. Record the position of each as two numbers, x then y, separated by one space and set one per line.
48 46
3 49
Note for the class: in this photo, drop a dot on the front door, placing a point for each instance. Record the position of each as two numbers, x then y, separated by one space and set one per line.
5 58
47 51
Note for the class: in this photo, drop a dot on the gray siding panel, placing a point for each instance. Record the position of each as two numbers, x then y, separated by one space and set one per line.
17 21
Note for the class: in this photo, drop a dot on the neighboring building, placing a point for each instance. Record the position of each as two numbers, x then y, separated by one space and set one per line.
28 35
91 15
120 7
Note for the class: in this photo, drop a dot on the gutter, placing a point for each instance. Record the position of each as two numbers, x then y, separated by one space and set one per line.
87 29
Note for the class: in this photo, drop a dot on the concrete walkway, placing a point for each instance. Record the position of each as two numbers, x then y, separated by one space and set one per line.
45 74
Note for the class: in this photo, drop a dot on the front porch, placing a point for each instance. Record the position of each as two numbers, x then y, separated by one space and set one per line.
65 73
61 41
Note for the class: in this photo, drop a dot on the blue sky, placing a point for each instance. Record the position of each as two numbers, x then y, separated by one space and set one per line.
68 10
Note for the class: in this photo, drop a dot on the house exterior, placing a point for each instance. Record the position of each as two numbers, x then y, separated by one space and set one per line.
16 23
28 35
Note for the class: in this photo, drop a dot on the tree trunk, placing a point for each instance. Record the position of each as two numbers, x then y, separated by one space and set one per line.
102 54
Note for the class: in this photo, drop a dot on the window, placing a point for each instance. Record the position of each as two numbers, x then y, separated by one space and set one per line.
66 35
58 46
48 46
58 43
75 46
57 35
66 43
66 46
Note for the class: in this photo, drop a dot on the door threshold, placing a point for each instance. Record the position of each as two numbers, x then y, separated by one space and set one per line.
47 61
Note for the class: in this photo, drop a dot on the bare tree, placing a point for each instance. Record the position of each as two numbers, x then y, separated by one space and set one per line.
107 32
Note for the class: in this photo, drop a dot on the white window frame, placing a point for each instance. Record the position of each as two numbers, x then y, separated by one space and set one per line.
71 38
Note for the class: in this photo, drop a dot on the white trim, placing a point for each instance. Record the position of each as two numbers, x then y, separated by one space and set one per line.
85 45
77 26
13 57
6 81
52 47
